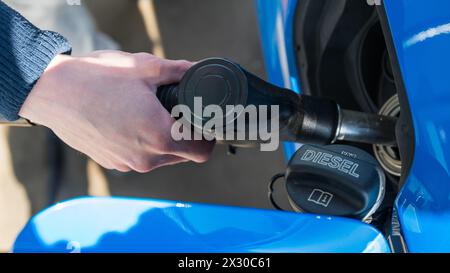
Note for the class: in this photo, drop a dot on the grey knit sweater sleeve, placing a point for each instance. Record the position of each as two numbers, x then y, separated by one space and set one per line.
25 52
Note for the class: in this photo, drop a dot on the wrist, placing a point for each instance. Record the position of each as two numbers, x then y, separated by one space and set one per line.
38 104
56 62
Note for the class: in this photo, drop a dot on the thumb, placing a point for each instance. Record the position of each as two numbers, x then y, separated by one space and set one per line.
173 71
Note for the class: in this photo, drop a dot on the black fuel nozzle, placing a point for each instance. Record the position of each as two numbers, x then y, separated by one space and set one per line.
301 118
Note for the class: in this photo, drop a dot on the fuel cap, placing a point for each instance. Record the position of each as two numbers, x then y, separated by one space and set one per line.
335 180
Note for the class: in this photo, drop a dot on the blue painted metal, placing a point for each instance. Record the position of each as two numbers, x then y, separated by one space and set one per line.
421 33
133 225
276 21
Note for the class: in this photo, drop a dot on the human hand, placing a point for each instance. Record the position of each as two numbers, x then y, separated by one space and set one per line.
105 105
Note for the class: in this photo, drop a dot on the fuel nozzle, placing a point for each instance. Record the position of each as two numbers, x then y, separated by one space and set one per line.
301 118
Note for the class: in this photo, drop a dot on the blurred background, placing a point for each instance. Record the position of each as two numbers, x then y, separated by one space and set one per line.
37 170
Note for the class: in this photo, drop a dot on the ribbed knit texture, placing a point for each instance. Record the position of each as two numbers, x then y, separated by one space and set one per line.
25 52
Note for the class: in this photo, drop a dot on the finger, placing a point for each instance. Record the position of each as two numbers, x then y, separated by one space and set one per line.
157 162
193 150
172 71
168 160
122 168
107 164
105 159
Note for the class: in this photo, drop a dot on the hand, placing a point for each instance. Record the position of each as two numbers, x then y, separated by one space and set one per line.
105 105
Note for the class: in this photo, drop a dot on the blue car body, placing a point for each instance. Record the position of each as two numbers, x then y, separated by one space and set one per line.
420 33
420 41
132 225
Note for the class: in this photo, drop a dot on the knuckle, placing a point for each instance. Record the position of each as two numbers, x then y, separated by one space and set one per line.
165 145
156 68
149 64
203 157
204 152
184 64
144 56
106 166
140 163
156 140
163 139
123 168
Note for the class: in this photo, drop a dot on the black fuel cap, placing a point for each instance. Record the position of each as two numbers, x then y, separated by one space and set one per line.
335 180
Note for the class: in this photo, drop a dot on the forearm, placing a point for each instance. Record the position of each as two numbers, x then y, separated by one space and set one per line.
25 52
